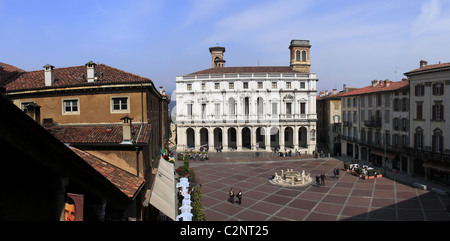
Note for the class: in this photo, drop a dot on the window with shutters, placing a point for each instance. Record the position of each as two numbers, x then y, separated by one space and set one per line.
419 90
438 89
418 138
419 111
437 112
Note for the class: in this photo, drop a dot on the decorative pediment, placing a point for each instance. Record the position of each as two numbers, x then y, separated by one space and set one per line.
288 97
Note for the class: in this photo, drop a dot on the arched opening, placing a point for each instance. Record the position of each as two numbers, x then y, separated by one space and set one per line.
190 138
302 135
260 137
232 138
297 55
203 137
246 138
218 137
289 137
274 137
303 56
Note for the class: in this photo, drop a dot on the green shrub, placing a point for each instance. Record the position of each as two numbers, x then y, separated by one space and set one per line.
346 165
197 206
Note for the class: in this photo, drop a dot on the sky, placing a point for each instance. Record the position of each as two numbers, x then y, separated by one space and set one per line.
353 41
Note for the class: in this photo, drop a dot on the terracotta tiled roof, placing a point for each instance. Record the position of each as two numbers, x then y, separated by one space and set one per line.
378 88
252 69
434 67
125 181
72 76
7 71
98 134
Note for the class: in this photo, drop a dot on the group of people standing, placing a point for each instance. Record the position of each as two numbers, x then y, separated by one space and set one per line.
320 179
232 195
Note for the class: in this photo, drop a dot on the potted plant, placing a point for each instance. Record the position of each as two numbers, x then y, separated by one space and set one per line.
346 166
180 156
379 173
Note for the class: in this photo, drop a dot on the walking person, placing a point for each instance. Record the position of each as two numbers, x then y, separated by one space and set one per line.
322 179
318 180
231 194
239 196
334 172
337 172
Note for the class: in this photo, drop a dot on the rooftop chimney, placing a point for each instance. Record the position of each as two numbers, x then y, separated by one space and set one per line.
387 83
49 75
126 130
423 63
374 82
90 66
334 91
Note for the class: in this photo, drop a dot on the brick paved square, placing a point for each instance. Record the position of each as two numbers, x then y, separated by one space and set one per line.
345 198
292 213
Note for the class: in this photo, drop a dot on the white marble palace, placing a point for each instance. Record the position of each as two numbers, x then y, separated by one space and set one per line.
249 108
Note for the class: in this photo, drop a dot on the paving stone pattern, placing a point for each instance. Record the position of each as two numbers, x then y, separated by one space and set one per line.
345 198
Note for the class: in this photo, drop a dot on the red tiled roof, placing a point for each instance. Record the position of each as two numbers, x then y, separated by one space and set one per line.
378 88
125 181
7 71
98 134
72 76
435 67
251 69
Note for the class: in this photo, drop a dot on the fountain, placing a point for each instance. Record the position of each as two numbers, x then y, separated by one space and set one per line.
291 178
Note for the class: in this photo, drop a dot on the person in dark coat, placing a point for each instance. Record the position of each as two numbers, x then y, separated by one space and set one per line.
231 194
318 180
322 179
239 196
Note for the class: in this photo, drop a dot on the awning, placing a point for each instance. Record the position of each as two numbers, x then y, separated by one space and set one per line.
437 166
162 195
389 155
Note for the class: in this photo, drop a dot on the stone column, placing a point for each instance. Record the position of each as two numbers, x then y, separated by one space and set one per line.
211 138
239 138
181 139
253 137
225 138
267 138
295 137
281 138
197 137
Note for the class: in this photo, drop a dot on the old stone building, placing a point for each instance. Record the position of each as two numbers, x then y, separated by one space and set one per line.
249 108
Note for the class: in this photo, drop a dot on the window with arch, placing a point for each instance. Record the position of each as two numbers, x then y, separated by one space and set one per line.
304 56
437 141
260 104
297 55
418 138
232 106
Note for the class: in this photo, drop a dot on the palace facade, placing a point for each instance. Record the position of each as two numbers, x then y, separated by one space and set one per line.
249 108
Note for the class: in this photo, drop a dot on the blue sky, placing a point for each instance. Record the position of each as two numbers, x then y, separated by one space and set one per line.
353 41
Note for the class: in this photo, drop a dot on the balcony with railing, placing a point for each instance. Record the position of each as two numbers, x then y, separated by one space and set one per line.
373 122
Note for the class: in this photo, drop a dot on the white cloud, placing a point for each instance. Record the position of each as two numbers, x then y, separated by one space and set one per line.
429 19
262 18
203 10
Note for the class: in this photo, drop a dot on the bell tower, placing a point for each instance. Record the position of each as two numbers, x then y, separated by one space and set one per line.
217 56
300 54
